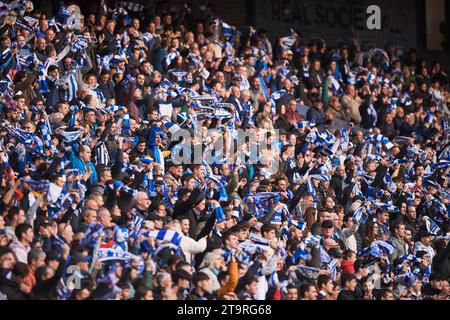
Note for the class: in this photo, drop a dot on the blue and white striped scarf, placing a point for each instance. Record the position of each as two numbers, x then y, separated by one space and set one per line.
388 248
91 235
108 254
72 86
46 130
70 136
308 272
165 235
63 202
37 185
332 269
274 97
42 78
135 226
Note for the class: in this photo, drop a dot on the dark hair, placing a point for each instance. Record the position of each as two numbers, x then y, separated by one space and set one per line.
366 279
22 228
279 179
141 292
384 292
368 232
186 178
182 217
347 217
52 68
250 280
222 276
346 277
323 279
196 166
226 235
291 286
199 276
182 192
358 264
181 264
40 273
21 269
304 288
266 228
310 212
182 274
348 253
237 228
173 260
13 211
397 225
156 204
440 246
6 250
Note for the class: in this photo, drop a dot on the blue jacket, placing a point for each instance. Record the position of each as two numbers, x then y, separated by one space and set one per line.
317 115
77 163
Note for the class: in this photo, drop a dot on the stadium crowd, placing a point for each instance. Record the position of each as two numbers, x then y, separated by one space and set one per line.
95 205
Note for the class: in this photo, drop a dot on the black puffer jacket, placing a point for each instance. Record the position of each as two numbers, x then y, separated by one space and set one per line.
346 295
441 263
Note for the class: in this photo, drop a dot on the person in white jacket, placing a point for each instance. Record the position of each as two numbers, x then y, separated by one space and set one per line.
188 246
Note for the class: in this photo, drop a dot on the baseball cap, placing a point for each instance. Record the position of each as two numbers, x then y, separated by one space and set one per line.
327 224
436 276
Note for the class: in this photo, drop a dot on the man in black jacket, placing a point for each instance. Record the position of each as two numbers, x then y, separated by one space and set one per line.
106 85
434 288
46 281
441 261
201 287
336 182
348 283
410 220
316 114
192 208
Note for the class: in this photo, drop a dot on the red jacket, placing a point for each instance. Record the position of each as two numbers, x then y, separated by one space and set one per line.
347 266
